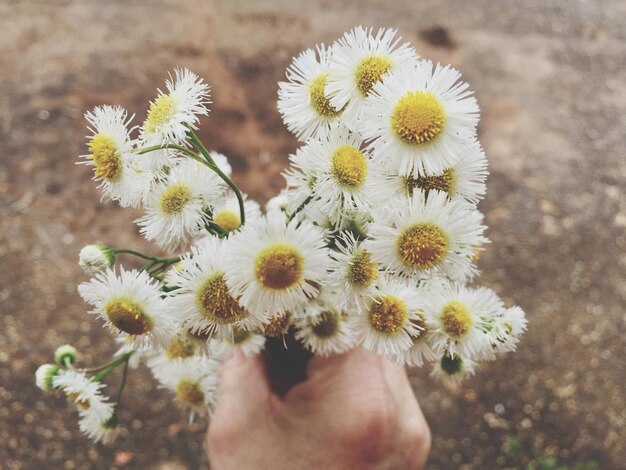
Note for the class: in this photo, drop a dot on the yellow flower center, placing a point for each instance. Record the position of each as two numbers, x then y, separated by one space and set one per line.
160 112
279 267
215 302
180 347
362 271
418 117
327 325
128 317
228 220
349 166
456 319
81 404
319 101
388 315
444 182
277 325
423 246
370 71
174 198
106 158
190 393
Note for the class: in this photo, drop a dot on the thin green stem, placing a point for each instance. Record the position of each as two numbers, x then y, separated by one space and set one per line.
103 373
154 259
118 397
184 150
211 164
149 266
135 253
103 366
111 364
213 227
300 207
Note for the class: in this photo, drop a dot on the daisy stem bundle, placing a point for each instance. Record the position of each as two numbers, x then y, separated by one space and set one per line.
212 165
180 148
370 244
109 366
207 161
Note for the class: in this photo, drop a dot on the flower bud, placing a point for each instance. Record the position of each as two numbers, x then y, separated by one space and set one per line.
96 258
65 354
44 375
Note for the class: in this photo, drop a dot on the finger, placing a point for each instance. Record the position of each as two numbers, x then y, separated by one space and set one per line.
328 376
357 358
243 380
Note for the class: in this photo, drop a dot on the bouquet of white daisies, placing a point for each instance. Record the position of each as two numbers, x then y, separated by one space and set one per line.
370 244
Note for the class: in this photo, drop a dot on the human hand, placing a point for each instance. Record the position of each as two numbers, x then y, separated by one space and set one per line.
355 411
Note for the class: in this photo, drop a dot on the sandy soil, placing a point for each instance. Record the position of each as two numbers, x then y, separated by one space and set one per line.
550 80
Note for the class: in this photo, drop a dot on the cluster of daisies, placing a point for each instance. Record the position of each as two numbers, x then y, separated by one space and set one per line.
370 244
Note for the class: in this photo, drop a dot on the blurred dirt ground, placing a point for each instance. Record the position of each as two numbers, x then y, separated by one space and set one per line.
549 77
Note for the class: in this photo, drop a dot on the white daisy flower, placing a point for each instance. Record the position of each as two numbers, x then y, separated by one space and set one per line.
96 258
352 272
120 172
388 321
359 61
203 301
465 180
84 393
173 112
452 369
505 331
456 316
324 329
44 376
276 266
302 101
193 381
130 303
277 324
515 321
343 174
98 430
176 207
227 215
426 236
420 119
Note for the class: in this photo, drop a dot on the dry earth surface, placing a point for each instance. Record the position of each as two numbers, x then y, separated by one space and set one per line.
550 80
